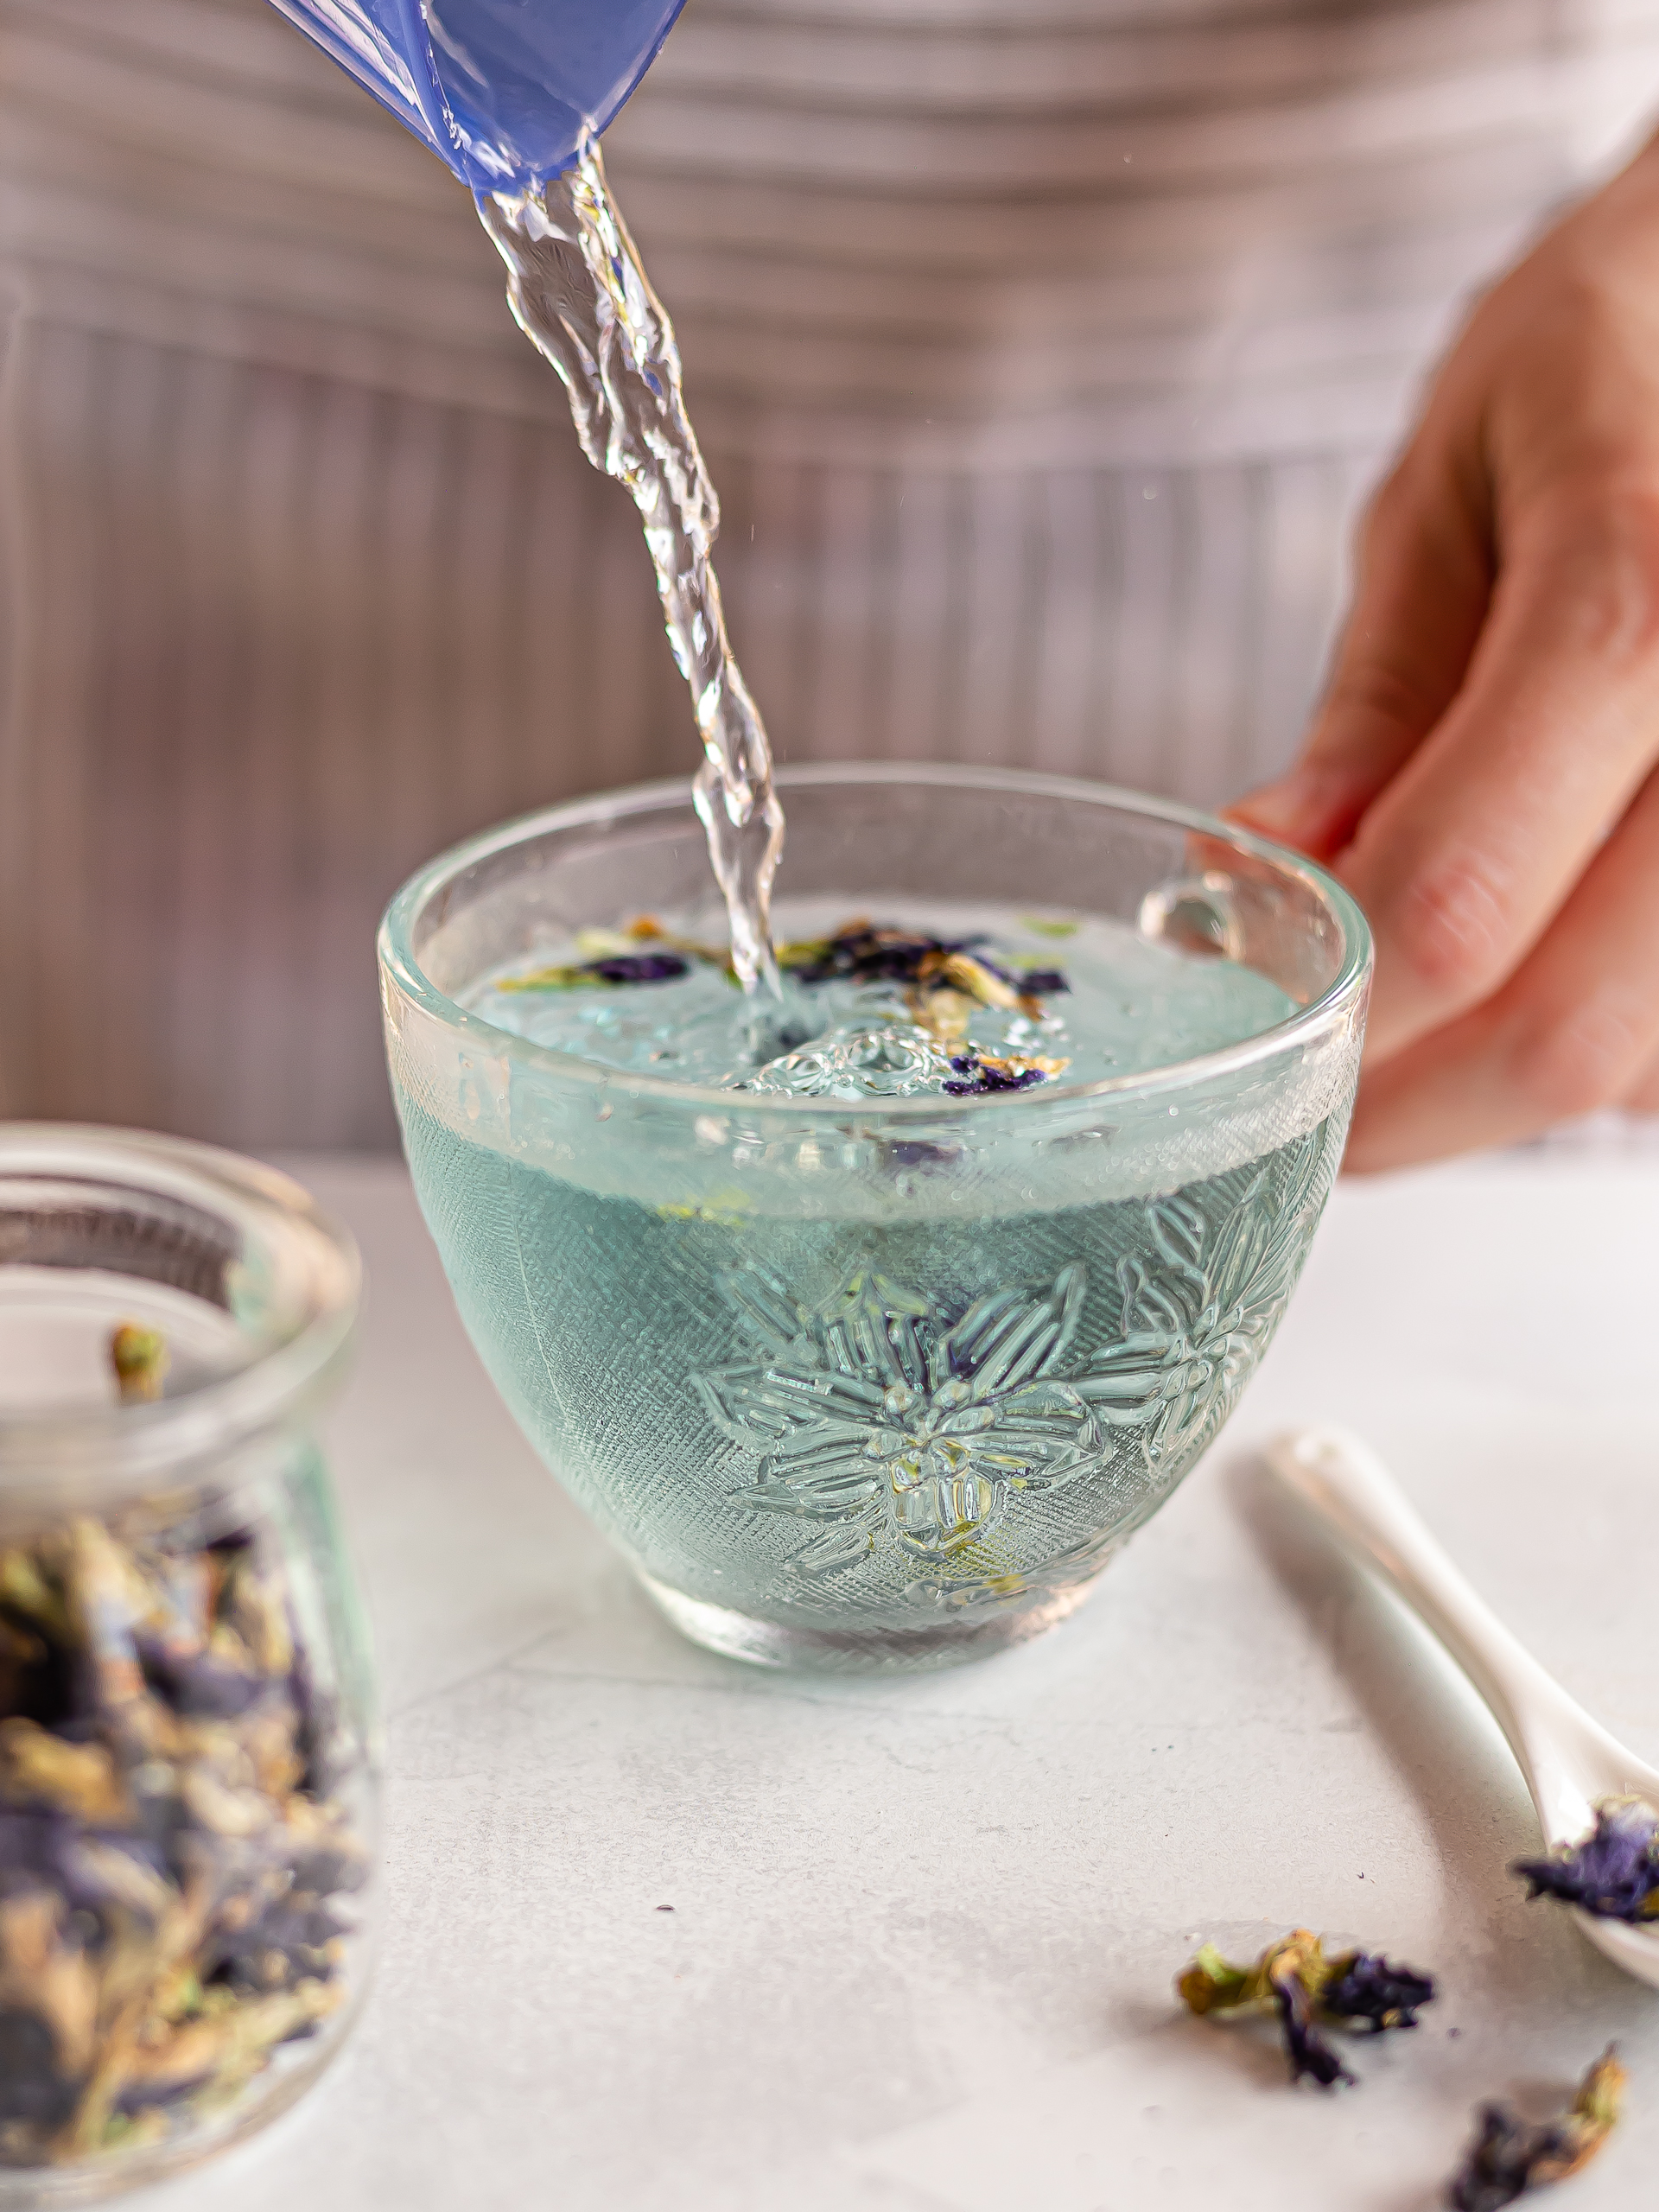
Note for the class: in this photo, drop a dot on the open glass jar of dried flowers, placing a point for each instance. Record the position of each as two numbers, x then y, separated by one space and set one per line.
186 1754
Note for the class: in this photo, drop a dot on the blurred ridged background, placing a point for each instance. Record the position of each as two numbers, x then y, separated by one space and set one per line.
1042 352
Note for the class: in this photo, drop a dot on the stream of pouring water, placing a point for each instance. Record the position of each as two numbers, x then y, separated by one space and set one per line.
579 294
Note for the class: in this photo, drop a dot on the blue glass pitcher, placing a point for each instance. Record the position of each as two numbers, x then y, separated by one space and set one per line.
504 90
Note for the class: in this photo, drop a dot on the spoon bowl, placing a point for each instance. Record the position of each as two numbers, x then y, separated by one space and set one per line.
1569 1762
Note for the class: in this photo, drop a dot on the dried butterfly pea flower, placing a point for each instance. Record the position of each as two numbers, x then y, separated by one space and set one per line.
614 959
139 1358
975 979
40 1768
944 1013
1283 1980
1307 2049
1362 1986
978 1073
862 952
172 1861
598 945
952 984
602 975
942 978
1510 2156
1294 1978
1613 1873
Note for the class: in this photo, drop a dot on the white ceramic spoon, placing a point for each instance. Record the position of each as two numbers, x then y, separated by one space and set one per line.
1569 1761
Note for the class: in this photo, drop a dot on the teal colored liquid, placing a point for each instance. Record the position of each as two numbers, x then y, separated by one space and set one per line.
933 1404
1130 1004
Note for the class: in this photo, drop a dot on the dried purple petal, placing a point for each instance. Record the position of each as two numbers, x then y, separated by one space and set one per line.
172 1865
31 2087
1308 1991
640 968
620 968
1613 1873
296 1938
1510 2156
918 1151
1308 2051
981 1073
1364 1986
198 1683
92 1871
861 952
865 952
978 1077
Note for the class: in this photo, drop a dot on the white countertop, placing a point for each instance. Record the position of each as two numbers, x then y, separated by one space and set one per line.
924 1931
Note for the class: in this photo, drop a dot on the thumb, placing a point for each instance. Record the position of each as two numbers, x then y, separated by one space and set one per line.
1425 582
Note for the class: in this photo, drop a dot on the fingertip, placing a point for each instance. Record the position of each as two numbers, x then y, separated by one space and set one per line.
1367 1152
1312 809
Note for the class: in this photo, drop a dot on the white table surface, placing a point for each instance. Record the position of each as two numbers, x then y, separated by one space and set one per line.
924 1931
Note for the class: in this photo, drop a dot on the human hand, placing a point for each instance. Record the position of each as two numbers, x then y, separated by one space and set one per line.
1484 772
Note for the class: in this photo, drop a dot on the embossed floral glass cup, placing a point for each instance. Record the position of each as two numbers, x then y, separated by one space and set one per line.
877 1381
188 1780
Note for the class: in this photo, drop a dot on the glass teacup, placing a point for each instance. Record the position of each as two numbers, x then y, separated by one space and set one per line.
881 1383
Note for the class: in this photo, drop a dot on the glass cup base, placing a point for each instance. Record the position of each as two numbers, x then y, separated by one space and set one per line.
863 1650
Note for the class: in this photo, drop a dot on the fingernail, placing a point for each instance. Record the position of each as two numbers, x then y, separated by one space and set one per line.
1277 807
1308 807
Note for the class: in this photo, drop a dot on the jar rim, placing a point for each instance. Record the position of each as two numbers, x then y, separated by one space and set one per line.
401 967
293 1362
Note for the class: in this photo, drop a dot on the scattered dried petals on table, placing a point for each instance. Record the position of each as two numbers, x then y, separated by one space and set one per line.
1510 2156
1309 1991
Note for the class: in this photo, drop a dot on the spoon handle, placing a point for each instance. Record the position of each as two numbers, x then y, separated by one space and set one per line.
1555 1740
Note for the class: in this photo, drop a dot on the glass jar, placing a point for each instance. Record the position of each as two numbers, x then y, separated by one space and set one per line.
188 1768
876 1383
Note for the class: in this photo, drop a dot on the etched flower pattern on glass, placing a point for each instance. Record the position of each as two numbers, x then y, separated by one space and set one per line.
875 1416
886 1422
1197 1318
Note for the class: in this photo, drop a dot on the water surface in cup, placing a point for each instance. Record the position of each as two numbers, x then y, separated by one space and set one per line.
1078 998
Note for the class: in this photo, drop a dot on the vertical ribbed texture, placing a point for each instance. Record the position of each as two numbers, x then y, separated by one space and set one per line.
303 576
281 636
1161 627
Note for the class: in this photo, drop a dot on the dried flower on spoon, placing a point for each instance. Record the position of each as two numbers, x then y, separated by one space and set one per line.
1613 1873
1510 2156
1310 1992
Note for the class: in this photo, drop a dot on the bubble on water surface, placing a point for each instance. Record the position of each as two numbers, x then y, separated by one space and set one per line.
886 1062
